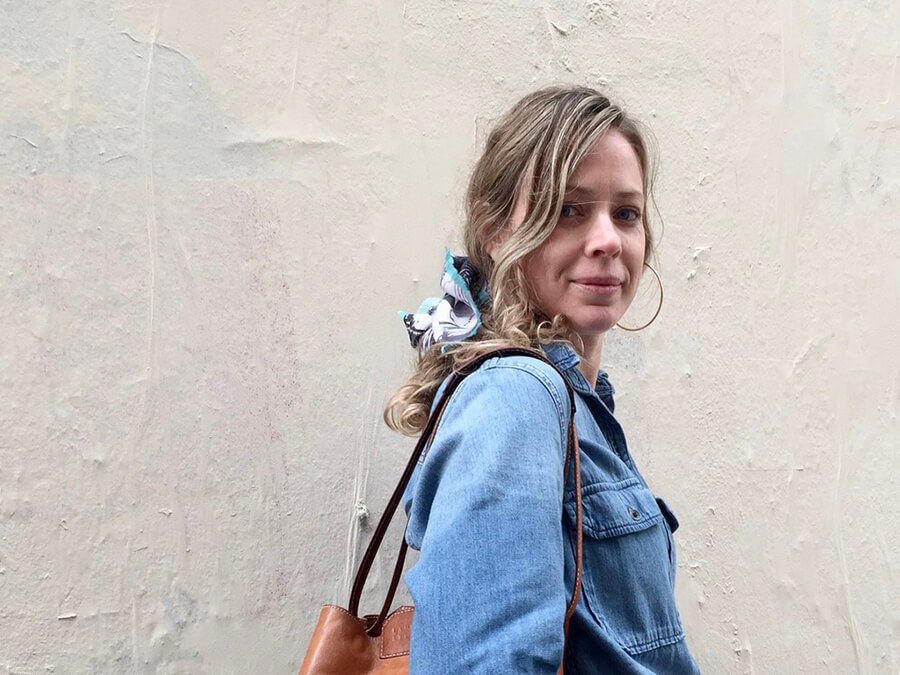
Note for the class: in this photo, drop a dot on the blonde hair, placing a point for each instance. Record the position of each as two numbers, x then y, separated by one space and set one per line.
522 173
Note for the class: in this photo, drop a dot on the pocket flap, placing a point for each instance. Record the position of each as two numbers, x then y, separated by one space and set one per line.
667 514
610 510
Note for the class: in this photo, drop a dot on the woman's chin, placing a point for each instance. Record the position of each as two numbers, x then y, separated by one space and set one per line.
594 327
599 319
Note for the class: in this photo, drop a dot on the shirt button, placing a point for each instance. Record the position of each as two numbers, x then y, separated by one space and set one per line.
634 513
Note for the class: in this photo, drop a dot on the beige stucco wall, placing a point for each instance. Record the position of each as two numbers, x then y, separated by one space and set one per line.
210 212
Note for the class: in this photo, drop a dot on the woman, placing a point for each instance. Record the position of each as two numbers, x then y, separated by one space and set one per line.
557 239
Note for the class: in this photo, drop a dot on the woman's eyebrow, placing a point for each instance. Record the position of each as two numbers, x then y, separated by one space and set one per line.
630 194
588 196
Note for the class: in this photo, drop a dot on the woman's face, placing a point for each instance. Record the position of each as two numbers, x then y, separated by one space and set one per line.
589 268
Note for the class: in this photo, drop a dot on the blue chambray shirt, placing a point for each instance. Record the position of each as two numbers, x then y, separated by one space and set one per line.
497 565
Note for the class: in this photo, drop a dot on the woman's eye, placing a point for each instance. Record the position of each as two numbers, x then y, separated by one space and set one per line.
628 214
567 211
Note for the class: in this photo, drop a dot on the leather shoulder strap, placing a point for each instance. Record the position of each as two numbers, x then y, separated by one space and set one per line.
572 458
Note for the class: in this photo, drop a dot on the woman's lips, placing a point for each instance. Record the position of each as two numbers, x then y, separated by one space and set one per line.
598 285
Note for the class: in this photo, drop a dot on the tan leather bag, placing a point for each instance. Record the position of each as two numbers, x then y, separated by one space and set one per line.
345 643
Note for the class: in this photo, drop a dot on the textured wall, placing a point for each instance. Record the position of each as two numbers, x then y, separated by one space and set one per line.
212 210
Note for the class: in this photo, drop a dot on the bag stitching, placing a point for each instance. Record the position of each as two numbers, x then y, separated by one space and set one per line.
401 610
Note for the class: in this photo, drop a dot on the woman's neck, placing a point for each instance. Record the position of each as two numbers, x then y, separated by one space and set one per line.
590 358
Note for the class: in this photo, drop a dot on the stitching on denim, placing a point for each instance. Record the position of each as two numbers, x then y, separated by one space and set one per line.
505 362
619 530
655 642
641 496
616 486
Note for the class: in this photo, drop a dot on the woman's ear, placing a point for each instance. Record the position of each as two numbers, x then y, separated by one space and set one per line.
495 242
489 242
520 210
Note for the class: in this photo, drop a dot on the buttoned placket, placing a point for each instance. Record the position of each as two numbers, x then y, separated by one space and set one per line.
609 426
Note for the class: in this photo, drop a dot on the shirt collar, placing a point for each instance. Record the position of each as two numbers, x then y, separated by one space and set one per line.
562 355
566 359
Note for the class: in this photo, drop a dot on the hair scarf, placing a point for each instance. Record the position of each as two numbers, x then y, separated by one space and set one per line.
455 316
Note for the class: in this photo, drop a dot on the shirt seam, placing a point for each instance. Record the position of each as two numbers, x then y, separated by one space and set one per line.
542 377
561 418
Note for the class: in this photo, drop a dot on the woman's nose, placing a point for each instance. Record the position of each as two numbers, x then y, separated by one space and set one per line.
603 236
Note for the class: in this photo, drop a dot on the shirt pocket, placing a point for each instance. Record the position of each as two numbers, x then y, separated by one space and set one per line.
628 567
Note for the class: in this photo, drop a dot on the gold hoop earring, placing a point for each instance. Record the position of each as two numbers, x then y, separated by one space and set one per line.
658 308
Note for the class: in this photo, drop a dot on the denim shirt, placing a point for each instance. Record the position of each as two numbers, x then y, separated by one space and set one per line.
493 518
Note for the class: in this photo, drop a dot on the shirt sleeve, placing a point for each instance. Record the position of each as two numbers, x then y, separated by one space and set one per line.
486 514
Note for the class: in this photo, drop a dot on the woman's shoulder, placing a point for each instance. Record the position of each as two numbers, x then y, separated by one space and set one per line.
516 384
507 418
525 371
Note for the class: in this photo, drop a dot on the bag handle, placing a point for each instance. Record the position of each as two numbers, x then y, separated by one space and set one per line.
572 458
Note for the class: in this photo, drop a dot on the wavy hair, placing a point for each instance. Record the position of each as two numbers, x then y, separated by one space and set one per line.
513 202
